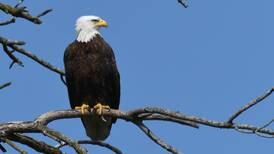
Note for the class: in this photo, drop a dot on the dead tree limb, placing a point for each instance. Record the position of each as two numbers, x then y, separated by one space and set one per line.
99 143
154 138
10 21
38 146
5 85
9 46
59 136
249 105
2 148
136 116
22 12
14 146
183 2
14 46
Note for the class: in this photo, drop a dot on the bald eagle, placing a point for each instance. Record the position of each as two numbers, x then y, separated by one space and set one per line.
93 80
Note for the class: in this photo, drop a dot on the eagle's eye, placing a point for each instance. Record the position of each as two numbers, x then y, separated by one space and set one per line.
95 20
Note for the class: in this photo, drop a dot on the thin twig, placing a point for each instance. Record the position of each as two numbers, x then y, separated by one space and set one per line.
263 135
14 146
44 13
249 105
19 3
183 2
99 143
5 85
267 124
154 138
264 126
14 59
62 77
57 135
12 20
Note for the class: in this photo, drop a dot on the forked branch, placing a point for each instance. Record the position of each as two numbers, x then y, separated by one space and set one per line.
251 104
21 12
136 116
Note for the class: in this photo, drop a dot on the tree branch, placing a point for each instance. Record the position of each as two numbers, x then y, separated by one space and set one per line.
2 148
183 2
11 56
9 47
39 146
14 45
99 143
37 59
249 105
14 146
154 138
5 85
136 116
59 136
22 12
12 20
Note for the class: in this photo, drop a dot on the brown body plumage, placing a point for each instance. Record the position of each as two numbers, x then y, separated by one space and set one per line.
92 77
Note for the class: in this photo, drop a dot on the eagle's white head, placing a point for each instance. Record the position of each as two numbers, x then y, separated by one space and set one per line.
88 26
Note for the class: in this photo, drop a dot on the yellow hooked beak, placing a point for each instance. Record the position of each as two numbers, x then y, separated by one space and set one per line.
102 23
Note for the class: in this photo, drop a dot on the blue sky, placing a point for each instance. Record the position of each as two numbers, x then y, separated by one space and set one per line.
207 60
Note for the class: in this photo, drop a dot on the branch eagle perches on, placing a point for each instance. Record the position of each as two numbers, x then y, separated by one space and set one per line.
15 131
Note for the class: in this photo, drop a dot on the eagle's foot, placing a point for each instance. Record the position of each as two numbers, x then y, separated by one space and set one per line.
98 108
84 108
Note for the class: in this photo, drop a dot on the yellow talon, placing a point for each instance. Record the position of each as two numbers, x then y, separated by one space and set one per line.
84 108
99 108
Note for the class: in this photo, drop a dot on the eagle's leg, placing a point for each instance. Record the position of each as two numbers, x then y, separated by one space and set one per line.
98 108
84 108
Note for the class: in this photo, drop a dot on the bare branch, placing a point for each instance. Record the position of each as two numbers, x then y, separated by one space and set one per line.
12 20
5 85
171 119
136 116
39 146
14 45
37 59
62 77
44 13
2 148
183 2
267 124
99 143
59 136
264 126
19 3
249 105
154 138
12 57
48 117
22 12
14 146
